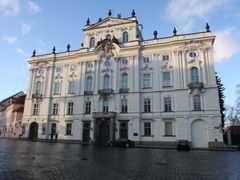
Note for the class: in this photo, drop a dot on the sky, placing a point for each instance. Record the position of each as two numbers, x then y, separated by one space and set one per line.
26 25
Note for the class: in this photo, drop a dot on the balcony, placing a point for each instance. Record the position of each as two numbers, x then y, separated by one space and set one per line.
195 85
88 92
123 90
104 114
37 96
105 92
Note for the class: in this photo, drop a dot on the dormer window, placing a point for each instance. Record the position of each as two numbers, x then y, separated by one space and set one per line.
125 37
109 37
92 42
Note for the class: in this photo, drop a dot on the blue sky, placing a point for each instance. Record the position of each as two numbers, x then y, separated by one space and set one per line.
28 24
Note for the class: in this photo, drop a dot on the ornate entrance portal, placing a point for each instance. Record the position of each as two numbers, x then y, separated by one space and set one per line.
104 133
33 130
104 127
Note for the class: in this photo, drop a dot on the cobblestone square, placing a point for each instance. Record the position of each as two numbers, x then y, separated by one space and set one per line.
43 160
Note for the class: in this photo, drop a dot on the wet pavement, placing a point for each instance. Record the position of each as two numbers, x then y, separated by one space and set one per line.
43 160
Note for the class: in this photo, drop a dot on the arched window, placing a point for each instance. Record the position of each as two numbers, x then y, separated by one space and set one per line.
194 74
92 42
38 88
124 80
89 83
109 37
106 81
125 37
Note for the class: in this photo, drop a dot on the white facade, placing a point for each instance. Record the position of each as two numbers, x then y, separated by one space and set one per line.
119 85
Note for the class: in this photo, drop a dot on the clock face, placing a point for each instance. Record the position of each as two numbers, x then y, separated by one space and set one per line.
89 65
193 54
124 61
40 71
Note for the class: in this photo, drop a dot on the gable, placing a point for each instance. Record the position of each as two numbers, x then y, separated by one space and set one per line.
109 22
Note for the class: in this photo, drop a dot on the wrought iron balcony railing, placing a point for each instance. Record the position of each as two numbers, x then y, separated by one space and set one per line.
105 92
123 90
195 85
86 92
37 96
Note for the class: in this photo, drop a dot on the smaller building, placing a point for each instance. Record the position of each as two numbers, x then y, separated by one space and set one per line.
233 135
11 113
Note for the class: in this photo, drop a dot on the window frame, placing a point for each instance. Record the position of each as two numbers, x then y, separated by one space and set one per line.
125 37
35 109
71 87
147 80
105 106
167 102
38 88
89 83
55 108
194 75
88 106
68 129
106 81
147 105
168 124
197 103
147 129
70 108
124 81
124 105
92 42
166 78
56 88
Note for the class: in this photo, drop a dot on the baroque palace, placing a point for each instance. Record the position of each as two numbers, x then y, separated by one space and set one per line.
118 85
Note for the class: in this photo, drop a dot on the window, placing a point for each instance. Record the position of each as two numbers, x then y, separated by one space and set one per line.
196 103
105 106
146 60
124 80
124 104
108 37
88 107
165 57
38 88
125 37
56 88
167 104
89 83
70 108
147 105
92 42
146 81
35 109
71 87
55 109
166 79
147 129
168 129
106 82
194 74
69 129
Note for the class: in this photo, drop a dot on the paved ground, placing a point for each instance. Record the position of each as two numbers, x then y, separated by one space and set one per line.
42 160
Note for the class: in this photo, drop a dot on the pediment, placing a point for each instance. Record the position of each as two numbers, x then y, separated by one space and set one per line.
109 22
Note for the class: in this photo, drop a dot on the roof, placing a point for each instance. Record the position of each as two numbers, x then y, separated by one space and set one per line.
17 98
20 109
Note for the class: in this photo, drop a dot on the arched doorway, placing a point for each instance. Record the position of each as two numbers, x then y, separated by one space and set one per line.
86 133
104 133
199 133
33 130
